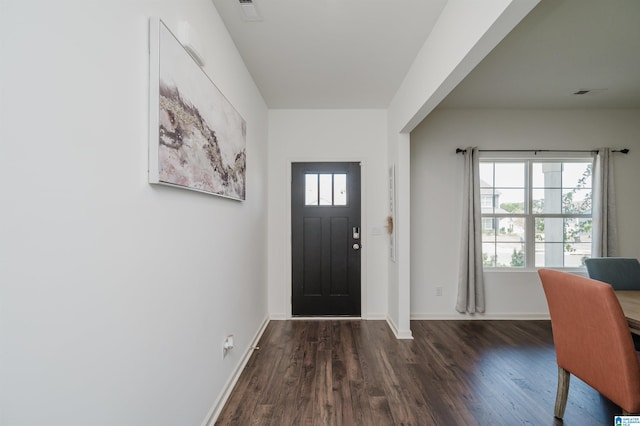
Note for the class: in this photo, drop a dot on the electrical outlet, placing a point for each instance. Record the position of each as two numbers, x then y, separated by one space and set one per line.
227 345
438 291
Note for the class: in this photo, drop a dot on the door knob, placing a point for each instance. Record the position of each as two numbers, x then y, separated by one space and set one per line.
356 246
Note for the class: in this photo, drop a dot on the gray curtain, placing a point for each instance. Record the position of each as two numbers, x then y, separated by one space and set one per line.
605 232
470 282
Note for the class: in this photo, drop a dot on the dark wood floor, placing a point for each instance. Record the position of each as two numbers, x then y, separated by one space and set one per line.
452 373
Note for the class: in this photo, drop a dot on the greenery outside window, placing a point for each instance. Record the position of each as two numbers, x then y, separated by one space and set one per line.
539 214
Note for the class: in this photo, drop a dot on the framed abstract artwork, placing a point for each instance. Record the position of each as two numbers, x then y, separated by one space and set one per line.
197 139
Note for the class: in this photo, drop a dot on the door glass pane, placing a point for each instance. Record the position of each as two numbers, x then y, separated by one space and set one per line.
340 190
326 190
311 190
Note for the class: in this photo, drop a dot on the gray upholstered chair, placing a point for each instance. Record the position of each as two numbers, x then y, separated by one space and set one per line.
621 272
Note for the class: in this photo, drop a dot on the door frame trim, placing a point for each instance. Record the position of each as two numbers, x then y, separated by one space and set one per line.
363 225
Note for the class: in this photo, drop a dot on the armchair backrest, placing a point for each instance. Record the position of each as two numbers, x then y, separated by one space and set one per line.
591 336
622 273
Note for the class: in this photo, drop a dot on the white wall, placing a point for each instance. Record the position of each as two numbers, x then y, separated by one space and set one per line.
115 294
436 174
328 135
465 32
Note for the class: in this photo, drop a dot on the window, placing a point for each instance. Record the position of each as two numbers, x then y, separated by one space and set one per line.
539 214
486 200
325 189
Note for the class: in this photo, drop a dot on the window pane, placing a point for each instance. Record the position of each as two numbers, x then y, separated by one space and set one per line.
576 201
549 254
575 254
577 242
489 226
510 255
509 200
563 241
576 175
503 242
568 255
486 174
548 200
549 242
550 229
340 190
509 175
510 229
489 254
326 190
577 230
311 190
547 174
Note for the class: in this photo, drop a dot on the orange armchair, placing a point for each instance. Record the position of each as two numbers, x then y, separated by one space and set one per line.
592 340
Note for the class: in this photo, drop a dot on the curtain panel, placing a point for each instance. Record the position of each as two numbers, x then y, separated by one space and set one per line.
470 280
605 232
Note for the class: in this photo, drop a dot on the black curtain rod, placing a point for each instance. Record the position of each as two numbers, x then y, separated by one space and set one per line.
624 151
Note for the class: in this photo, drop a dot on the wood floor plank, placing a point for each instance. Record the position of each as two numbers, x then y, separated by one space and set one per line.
303 412
348 372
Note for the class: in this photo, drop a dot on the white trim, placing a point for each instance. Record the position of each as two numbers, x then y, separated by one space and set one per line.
479 317
217 407
399 334
370 317
375 317
324 319
558 155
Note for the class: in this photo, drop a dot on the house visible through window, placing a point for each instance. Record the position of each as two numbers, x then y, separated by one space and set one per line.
536 212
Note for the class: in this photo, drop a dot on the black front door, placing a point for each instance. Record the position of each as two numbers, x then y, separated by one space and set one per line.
326 239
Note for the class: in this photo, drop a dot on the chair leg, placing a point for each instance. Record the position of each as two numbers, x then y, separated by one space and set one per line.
562 393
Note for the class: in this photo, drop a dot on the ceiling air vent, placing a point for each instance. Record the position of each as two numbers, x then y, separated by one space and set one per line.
249 11
590 91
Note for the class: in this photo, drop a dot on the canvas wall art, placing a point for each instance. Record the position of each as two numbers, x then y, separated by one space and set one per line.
197 138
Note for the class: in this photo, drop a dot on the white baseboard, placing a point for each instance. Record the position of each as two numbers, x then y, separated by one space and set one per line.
217 407
399 334
283 317
375 317
480 317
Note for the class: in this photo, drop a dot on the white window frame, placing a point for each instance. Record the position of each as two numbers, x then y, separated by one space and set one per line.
528 216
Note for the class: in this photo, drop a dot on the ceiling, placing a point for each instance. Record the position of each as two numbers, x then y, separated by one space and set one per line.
561 47
330 53
354 54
